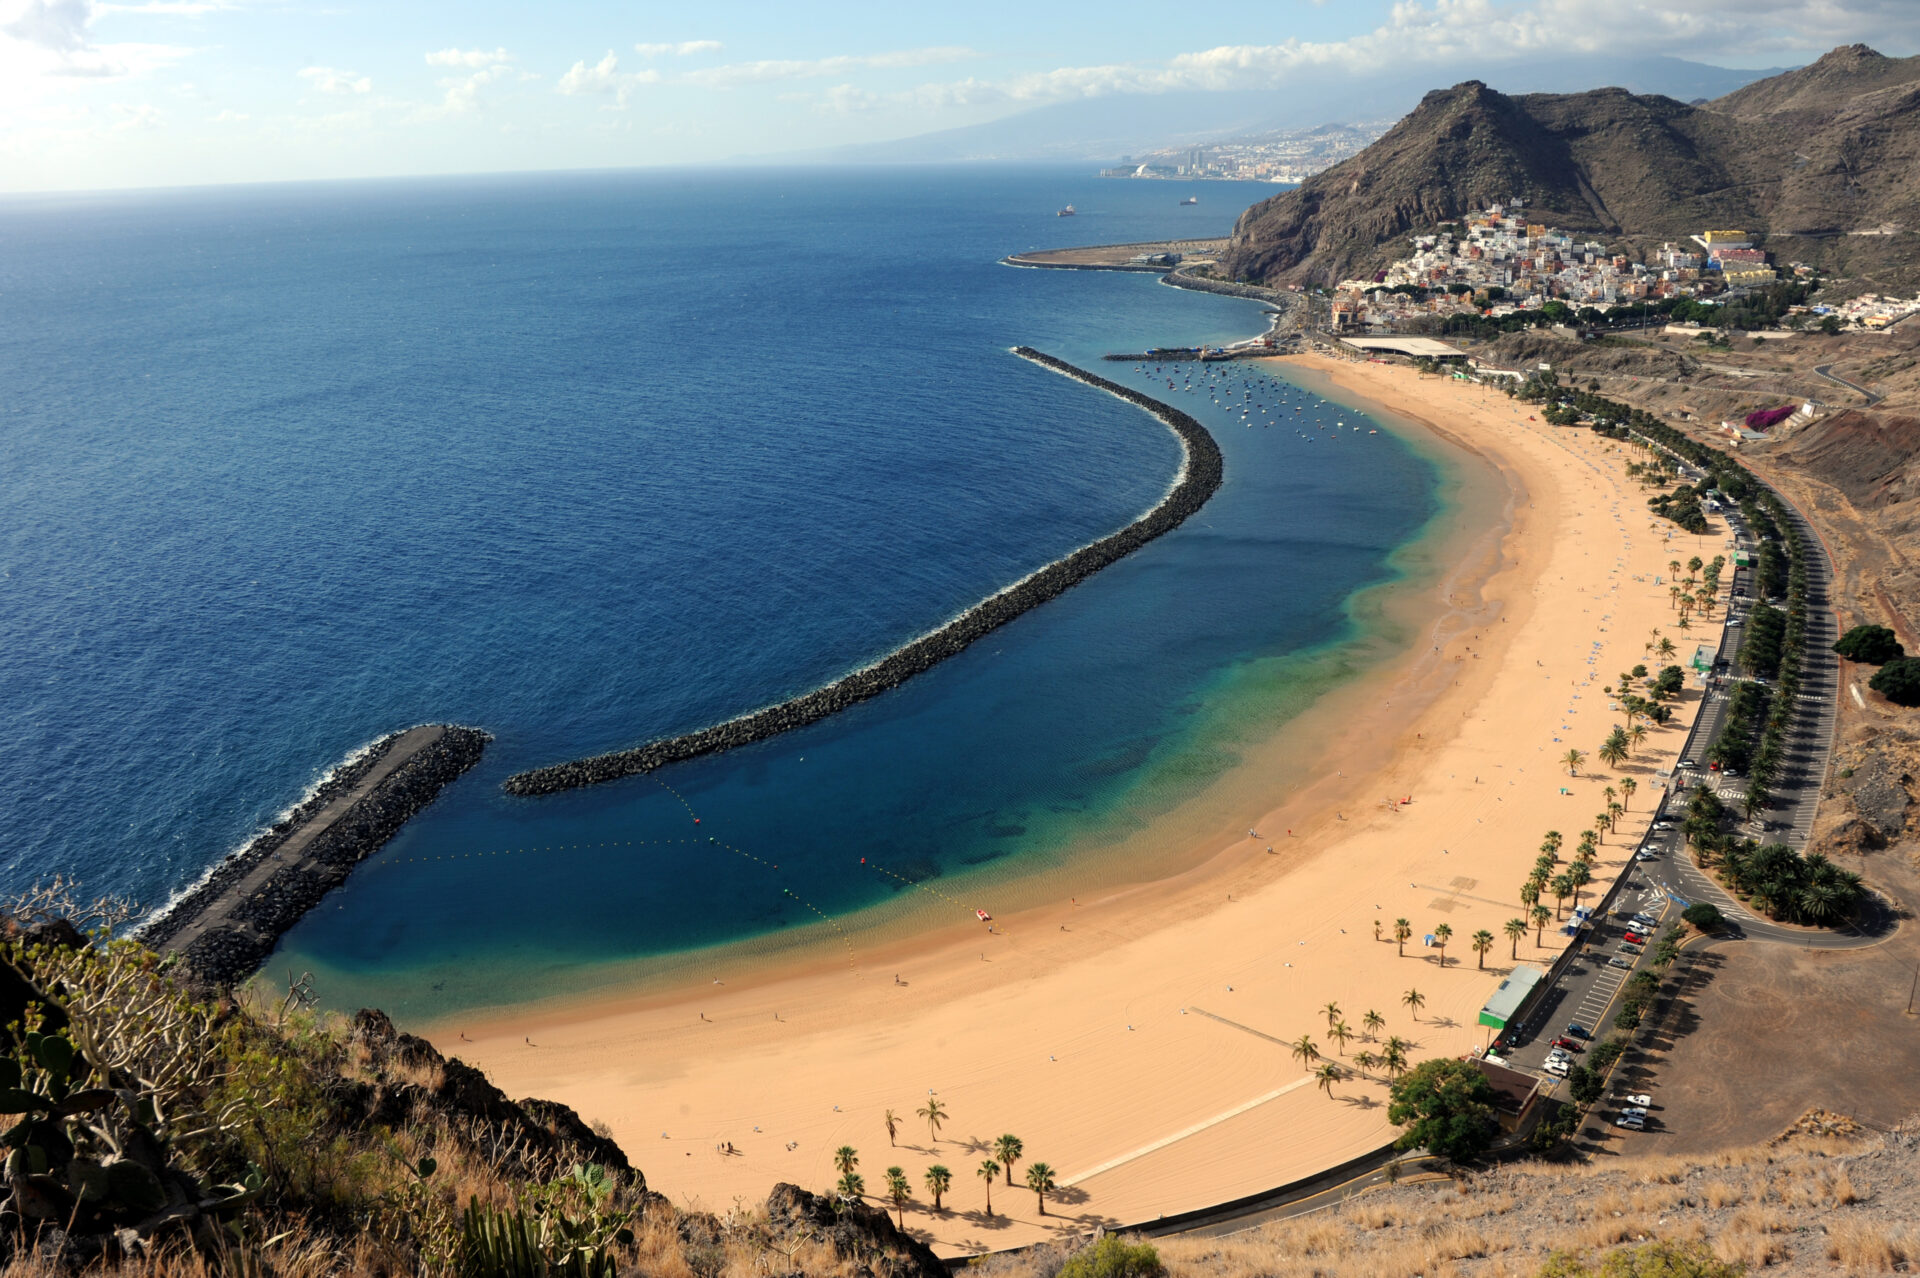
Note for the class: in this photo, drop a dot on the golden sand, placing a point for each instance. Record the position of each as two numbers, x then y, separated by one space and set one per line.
1137 1042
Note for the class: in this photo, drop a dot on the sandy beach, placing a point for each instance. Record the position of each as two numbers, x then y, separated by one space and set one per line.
1136 1039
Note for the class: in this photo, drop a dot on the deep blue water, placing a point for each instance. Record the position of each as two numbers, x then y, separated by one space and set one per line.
589 459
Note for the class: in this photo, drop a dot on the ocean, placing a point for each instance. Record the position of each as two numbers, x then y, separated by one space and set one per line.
588 459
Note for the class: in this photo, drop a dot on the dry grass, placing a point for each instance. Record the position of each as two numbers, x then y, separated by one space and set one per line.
1862 1246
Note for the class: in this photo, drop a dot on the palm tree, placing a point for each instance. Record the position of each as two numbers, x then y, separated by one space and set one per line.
1414 1000
1673 567
939 1181
1372 1021
935 1113
892 1120
1613 751
899 1191
1304 1051
1683 625
845 1159
1515 929
986 1172
1529 894
1364 1061
1340 1034
1040 1181
1401 931
1008 1150
1615 811
1667 649
1326 1076
1609 793
1572 760
1673 596
1562 887
851 1185
1627 784
1551 844
1395 1058
1442 935
1332 1011
1482 942
1579 875
1541 914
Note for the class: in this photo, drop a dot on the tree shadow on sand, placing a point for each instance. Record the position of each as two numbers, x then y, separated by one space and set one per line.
1359 1102
1072 1196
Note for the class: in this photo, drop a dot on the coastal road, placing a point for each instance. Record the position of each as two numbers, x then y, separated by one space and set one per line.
1826 371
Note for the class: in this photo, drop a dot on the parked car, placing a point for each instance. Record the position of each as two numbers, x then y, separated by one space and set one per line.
1630 1123
1690 763
1639 1100
1663 823
1621 963
1646 854
1565 1044
1559 1067
1635 938
1578 1030
1629 951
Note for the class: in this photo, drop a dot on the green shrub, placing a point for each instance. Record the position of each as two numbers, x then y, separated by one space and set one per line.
1898 681
1703 915
1875 645
1113 1257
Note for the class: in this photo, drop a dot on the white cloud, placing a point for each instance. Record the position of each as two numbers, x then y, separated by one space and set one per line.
143 116
230 117
468 58
463 92
733 74
59 25
685 48
334 80
171 8
604 77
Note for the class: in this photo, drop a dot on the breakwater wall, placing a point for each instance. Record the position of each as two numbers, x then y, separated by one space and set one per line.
226 926
1199 478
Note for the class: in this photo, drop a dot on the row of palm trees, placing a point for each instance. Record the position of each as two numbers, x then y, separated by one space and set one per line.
1481 941
1007 1150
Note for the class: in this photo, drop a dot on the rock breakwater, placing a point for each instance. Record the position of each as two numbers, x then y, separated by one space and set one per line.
225 928
1200 474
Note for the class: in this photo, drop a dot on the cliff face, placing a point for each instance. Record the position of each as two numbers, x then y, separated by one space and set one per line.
1801 158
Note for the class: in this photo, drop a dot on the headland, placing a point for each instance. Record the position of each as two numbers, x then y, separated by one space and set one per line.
1136 1036
1198 479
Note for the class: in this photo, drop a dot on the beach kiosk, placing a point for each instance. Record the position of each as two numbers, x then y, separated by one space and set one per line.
1505 1005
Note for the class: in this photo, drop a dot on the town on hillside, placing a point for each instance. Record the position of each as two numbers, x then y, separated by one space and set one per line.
1495 263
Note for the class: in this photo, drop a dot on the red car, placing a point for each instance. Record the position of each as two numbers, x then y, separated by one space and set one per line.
1635 938
1571 1045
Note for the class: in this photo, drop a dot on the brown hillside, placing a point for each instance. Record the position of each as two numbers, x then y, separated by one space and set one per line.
1801 159
1873 458
1826 85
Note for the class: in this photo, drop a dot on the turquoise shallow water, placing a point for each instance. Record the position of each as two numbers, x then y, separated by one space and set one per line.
590 459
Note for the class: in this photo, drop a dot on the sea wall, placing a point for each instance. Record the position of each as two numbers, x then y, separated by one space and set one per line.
226 926
1199 478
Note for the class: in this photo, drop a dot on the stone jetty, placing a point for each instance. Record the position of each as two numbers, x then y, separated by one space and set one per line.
1199 478
225 928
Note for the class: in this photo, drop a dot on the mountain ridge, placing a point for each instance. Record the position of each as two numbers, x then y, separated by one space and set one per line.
1624 166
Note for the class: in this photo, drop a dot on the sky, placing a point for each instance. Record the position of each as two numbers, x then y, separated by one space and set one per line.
140 93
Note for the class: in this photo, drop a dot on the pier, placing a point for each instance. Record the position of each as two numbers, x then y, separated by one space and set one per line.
1199 477
225 928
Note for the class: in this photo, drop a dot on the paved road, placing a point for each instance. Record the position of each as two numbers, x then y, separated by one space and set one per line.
1825 370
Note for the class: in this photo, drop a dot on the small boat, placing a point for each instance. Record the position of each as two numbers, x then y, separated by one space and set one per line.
1068 211
983 916
1191 199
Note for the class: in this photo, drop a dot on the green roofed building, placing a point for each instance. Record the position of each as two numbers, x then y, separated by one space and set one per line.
1511 996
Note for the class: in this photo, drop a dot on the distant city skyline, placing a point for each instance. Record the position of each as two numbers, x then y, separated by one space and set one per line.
118 93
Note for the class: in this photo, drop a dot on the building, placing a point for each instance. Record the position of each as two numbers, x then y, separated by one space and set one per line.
1726 239
1507 1001
1411 347
1515 1093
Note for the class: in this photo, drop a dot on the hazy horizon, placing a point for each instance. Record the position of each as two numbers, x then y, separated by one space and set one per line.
167 93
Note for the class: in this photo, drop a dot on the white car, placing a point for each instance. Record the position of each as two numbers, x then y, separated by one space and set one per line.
1630 1122
1638 1100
